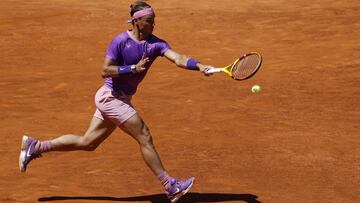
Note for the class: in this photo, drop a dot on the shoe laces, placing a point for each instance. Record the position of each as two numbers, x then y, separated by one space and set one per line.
172 187
34 156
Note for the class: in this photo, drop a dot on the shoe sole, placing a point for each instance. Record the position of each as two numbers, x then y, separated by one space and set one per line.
22 153
177 196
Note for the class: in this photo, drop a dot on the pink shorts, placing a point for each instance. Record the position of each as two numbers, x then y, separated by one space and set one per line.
117 109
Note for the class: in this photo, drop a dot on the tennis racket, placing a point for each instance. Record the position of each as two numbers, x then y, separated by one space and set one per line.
243 68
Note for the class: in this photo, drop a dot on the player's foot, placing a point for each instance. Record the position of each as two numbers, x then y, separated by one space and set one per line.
27 152
178 188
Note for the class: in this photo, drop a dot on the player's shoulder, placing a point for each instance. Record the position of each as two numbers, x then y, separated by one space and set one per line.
155 39
120 37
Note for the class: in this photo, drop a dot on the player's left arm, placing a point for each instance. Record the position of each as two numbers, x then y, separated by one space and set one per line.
186 62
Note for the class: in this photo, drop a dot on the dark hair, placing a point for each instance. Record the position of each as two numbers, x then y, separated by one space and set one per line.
138 6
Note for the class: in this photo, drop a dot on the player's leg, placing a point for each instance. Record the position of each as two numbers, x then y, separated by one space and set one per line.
136 127
97 132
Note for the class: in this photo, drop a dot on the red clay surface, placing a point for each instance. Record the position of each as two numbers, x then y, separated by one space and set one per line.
296 141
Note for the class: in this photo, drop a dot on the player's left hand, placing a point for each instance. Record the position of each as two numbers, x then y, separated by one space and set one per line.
204 68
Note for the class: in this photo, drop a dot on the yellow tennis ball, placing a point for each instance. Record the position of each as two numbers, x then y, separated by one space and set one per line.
255 89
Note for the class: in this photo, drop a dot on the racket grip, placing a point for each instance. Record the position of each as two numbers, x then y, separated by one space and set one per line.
214 70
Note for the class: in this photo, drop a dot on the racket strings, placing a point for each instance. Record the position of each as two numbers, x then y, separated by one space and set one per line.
246 67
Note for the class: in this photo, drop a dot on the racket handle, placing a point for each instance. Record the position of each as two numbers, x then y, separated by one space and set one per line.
214 70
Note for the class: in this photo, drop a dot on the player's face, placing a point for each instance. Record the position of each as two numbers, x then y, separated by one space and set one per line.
146 24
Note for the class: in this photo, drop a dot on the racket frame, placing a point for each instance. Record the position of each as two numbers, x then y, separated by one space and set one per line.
228 69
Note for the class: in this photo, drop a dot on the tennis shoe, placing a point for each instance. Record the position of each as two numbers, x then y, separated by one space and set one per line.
178 188
28 152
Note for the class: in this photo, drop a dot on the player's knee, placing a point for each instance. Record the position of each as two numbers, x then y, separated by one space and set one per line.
88 144
145 137
91 147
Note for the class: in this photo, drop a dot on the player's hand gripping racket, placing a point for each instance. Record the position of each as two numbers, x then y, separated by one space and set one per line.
243 68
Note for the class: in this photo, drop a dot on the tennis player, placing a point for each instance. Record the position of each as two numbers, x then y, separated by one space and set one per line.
127 60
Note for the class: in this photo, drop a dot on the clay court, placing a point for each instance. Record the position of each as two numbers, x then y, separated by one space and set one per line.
296 141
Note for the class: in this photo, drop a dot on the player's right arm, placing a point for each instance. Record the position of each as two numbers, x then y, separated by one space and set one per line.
113 70
110 69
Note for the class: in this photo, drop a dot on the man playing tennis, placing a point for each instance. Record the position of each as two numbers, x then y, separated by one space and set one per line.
127 61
